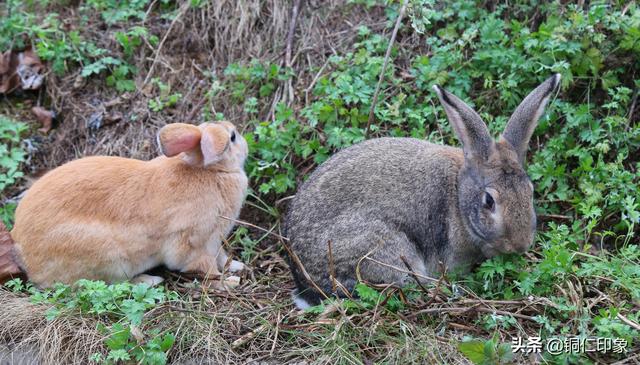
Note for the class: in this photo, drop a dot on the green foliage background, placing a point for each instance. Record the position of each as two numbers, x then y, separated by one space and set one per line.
584 158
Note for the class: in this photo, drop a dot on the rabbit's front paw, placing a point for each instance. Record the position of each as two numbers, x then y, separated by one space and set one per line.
228 282
231 282
236 266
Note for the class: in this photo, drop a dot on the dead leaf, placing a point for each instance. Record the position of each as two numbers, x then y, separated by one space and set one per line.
8 267
9 79
45 117
147 90
20 70
146 145
112 118
95 120
30 69
78 82
113 102
137 334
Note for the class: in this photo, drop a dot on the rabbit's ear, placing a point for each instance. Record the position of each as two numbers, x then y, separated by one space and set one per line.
473 133
176 138
214 143
525 118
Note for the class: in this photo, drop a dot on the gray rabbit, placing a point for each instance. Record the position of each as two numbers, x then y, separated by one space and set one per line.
384 204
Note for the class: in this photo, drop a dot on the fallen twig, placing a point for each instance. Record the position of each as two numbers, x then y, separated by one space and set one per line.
554 216
299 264
476 308
295 11
248 336
632 108
413 274
332 269
243 223
403 8
181 12
629 322
308 89
399 269
627 360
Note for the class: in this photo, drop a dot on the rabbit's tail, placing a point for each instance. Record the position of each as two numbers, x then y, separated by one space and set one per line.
10 267
299 301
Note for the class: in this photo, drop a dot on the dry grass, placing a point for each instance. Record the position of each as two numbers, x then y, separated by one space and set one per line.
32 339
198 44
256 323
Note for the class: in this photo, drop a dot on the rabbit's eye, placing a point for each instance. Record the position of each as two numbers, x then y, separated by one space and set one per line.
233 136
488 202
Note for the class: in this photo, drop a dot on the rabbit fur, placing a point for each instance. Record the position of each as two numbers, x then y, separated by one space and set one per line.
384 204
112 218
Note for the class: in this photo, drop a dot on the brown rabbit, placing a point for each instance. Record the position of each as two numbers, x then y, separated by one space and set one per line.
112 218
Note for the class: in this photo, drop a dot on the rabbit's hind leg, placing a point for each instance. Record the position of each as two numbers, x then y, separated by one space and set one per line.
147 279
207 264
353 247
223 258
381 255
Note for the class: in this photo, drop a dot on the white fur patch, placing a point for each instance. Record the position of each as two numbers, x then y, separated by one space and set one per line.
299 302
236 266
147 279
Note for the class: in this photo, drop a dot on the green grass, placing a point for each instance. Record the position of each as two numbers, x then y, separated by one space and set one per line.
123 304
12 155
581 279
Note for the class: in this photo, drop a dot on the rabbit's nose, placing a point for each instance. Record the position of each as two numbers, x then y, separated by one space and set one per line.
516 247
521 248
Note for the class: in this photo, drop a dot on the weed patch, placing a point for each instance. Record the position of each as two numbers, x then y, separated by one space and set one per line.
152 63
